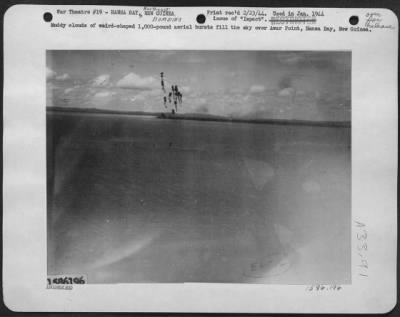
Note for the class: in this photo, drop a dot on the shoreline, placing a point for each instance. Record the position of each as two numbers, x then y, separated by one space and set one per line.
195 117
339 124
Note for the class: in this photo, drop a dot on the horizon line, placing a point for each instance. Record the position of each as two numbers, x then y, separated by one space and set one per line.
207 117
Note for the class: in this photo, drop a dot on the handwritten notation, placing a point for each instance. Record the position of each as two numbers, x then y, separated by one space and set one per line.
323 288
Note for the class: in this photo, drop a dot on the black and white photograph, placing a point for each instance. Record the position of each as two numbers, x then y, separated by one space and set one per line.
200 159
174 166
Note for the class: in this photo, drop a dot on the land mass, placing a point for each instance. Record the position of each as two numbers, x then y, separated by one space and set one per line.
105 111
204 117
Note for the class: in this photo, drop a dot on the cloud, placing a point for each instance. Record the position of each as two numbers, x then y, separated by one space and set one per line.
62 77
185 89
202 109
50 74
201 101
51 86
287 92
290 58
102 94
301 93
257 89
153 92
134 81
68 90
138 98
235 91
195 104
101 81
322 61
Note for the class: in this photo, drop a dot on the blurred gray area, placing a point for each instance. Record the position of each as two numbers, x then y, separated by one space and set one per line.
140 199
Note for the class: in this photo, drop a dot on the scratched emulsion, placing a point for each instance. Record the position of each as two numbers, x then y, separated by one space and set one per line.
141 199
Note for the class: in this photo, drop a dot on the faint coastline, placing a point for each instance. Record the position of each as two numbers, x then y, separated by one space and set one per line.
203 117
101 111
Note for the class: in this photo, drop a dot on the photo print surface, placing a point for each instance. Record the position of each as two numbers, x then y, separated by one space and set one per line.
199 166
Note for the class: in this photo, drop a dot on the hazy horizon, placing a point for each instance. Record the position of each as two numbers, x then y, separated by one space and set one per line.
312 85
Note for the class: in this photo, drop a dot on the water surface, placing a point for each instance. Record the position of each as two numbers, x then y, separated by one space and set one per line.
141 199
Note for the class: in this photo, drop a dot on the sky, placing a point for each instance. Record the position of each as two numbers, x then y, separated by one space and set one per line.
309 85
